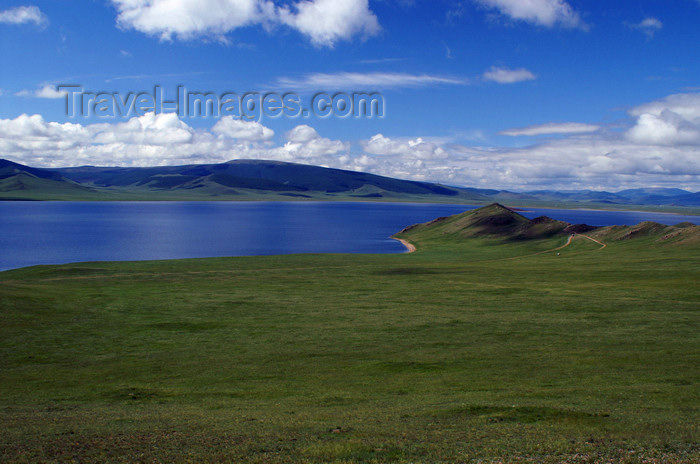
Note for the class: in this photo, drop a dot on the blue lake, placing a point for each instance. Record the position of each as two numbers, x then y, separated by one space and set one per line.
63 232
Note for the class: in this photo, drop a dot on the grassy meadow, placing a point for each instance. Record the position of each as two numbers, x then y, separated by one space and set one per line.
471 349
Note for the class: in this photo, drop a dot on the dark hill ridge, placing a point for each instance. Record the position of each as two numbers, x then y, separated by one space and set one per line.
9 169
641 196
494 221
501 223
233 178
252 174
275 180
683 234
20 180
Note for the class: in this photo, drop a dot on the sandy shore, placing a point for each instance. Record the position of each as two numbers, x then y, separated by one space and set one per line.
410 248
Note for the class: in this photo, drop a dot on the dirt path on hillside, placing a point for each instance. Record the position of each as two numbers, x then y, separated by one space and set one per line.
568 242
410 248
602 245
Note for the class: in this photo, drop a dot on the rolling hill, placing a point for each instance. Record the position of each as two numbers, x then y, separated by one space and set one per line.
252 174
642 196
493 221
496 223
275 180
23 182
239 179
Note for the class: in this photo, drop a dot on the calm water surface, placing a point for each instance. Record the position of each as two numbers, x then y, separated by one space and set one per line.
63 232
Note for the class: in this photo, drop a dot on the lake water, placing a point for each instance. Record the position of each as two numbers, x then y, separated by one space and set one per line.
64 232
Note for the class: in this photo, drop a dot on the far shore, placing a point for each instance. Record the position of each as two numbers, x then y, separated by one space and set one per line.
518 207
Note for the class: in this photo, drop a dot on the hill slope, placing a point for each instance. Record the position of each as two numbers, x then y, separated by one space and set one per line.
654 233
494 221
496 224
238 179
274 180
23 182
252 174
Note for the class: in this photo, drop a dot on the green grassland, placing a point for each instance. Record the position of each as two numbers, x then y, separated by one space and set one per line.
485 345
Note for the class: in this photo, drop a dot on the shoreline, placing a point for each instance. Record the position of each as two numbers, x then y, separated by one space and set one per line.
410 248
662 209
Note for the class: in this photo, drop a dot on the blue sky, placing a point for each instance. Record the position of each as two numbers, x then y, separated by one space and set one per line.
486 93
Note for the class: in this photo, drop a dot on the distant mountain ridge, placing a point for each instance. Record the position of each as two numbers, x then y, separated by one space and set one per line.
276 180
250 174
646 196
238 179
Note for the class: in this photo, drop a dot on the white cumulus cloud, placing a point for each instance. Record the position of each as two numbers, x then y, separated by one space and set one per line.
159 139
548 13
250 131
302 134
327 21
140 141
674 120
323 22
687 105
50 91
187 19
24 15
303 142
661 147
412 148
150 129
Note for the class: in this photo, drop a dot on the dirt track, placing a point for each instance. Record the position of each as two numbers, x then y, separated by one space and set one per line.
603 245
410 248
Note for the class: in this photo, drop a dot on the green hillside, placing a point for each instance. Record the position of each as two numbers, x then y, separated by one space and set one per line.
277 181
19 182
493 221
261 175
235 180
481 347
